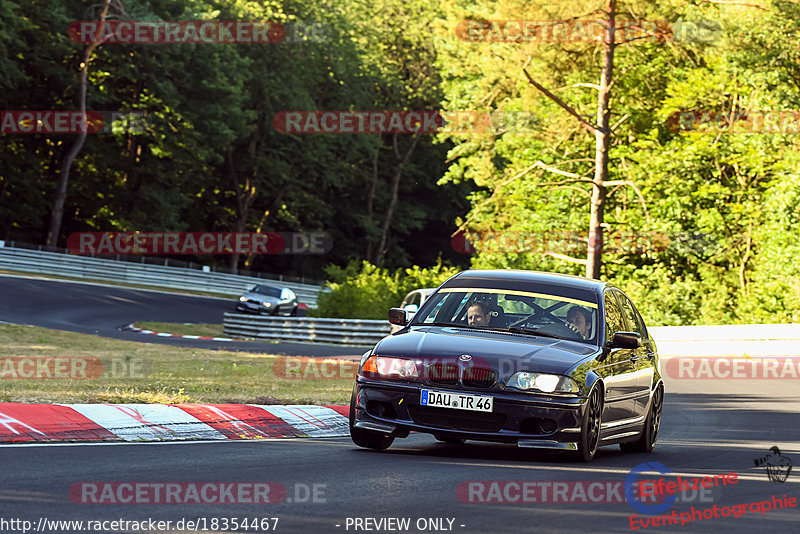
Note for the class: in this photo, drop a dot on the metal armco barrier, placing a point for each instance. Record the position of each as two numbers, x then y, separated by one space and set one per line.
40 262
727 340
358 332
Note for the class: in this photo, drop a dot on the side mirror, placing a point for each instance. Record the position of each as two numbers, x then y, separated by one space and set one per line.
398 316
625 340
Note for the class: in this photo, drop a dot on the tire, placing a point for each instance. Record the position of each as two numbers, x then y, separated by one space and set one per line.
647 439
590 427
294 312
366 438
451 441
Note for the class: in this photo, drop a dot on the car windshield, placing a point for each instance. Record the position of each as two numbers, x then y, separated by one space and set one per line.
268 290
523 312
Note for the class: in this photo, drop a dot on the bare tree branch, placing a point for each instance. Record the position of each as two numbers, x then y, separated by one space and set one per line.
538 164
577 177
496 189
589 126
620 121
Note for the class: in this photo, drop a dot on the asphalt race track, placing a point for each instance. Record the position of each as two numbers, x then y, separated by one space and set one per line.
709 427
702 434
101 310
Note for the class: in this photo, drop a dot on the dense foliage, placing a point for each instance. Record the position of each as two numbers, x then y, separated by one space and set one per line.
209 158
367 292
727 202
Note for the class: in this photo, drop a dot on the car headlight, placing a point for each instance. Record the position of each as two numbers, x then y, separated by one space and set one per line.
385 367
267 304
243 299
527 381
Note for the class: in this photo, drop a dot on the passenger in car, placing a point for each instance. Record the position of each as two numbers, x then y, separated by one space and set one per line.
478 314
578 319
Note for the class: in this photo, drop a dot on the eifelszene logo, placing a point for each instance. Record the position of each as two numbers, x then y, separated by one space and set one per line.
777 465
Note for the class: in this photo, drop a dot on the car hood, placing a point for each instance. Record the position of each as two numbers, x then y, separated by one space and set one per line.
500 350
260 297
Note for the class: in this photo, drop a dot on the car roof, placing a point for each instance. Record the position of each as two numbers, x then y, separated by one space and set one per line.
530 277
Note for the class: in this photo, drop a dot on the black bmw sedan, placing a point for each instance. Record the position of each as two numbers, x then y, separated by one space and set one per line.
537 359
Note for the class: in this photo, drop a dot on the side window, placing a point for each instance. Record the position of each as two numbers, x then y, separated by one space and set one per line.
631 315
433 315
614 321
514 306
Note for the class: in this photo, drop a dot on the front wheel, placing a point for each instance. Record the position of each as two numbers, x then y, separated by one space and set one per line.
590 428
647 439
366 438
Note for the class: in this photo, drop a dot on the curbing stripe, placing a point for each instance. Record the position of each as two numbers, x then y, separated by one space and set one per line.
21 423
313 421
130 328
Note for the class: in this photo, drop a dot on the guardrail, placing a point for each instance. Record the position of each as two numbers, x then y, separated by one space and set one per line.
357 332
716 340
83 267
728 340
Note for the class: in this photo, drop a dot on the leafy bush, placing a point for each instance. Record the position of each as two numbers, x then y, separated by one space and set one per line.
364 291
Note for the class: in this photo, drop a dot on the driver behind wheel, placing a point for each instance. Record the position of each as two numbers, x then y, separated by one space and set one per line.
478 314
579 319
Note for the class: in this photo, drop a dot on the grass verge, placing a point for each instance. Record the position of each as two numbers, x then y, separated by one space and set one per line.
133 372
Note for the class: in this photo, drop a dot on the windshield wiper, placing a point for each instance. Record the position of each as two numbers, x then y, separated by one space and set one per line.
534 332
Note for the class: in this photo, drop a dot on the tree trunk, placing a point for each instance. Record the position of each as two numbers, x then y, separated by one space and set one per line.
57 214
594 256
243 202
394 190
370 201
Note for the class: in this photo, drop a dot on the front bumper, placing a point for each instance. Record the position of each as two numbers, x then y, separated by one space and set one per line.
253 308
530 420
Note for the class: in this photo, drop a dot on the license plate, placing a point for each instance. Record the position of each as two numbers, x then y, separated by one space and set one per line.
457 401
